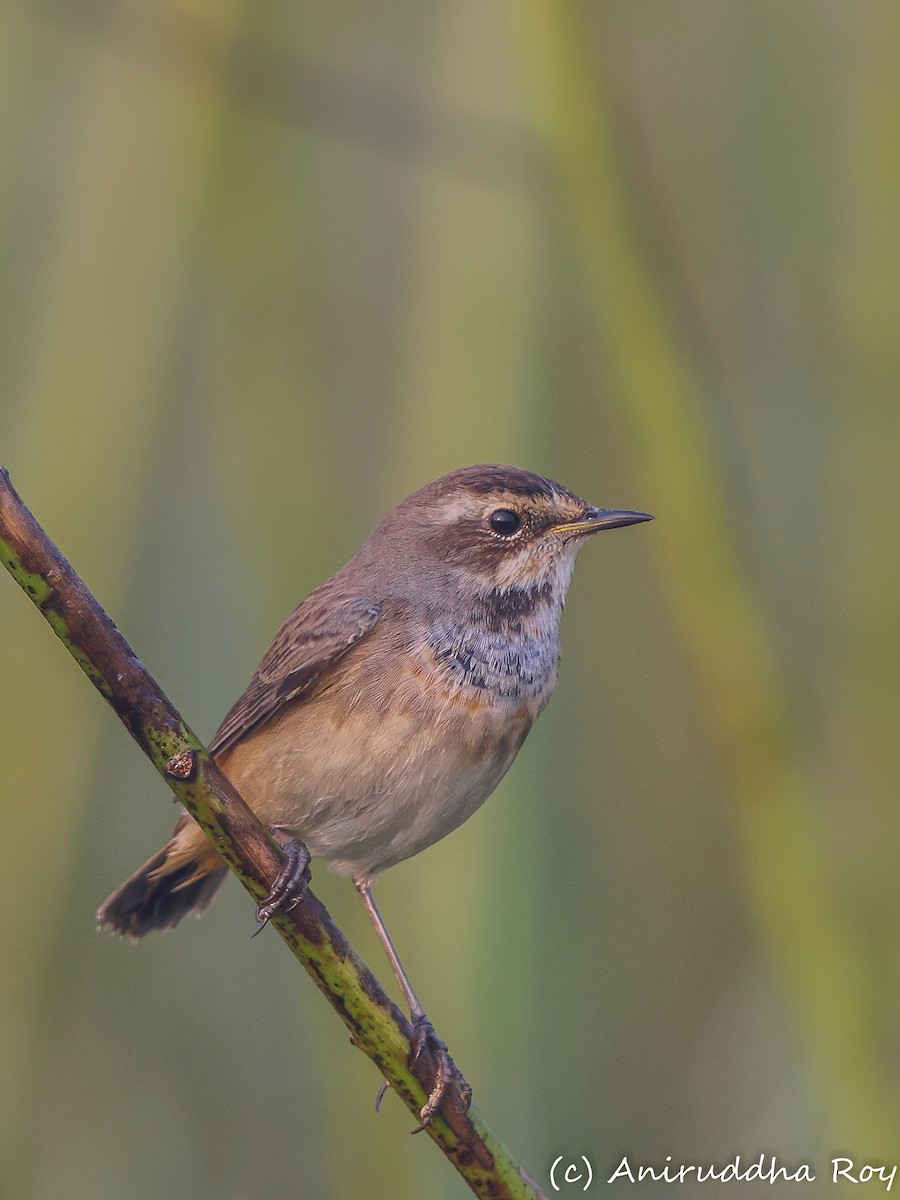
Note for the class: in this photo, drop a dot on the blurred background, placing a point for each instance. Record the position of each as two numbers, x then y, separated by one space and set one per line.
266 268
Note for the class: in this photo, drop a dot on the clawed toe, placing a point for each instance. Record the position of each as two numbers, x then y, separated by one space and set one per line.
290 884
445 1070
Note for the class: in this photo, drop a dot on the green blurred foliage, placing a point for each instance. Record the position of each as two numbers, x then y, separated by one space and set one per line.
267 268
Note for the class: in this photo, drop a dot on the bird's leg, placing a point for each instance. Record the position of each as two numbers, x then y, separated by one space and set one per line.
290 883
423 1031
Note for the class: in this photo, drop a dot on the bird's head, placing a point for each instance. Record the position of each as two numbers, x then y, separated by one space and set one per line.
508 527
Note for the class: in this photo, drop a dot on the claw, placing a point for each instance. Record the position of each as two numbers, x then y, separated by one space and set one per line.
445 1070
289 886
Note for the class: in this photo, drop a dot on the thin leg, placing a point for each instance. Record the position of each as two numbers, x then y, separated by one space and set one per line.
364 887
423 1030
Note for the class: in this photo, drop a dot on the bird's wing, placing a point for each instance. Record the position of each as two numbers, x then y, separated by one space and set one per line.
314 637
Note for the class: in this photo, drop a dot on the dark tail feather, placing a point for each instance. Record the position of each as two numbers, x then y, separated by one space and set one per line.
148 901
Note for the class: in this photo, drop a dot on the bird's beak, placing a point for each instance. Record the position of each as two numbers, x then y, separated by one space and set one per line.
594 519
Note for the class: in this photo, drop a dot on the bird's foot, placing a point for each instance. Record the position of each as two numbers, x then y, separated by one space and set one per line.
446 1071
290 883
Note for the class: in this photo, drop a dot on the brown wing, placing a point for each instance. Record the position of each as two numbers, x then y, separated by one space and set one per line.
314 637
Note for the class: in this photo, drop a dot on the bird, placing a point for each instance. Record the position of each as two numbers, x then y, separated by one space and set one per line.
392 701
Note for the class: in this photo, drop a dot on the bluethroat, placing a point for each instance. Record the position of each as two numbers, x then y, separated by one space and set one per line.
392 701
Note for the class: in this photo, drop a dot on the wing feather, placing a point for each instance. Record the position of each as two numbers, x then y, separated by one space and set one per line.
315 636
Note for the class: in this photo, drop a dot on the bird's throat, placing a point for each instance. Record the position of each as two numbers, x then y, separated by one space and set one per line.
505 643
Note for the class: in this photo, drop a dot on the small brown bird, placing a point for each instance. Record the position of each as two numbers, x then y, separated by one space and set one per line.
393 699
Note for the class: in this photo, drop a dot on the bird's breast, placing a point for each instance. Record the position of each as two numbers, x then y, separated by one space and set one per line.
502 654
408 738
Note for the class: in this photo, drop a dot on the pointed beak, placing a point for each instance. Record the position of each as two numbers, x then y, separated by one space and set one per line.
595 519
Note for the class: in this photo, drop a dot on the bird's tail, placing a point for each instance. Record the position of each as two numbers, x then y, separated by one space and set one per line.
174 882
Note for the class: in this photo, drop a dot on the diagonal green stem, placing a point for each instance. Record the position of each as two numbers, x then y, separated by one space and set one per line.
376 1025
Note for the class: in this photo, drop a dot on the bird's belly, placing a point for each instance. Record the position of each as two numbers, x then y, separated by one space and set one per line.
368 784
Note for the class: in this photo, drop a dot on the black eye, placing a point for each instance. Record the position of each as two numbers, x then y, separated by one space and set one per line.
504 521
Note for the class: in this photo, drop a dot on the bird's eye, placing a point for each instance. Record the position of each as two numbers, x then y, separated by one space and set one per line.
504 521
